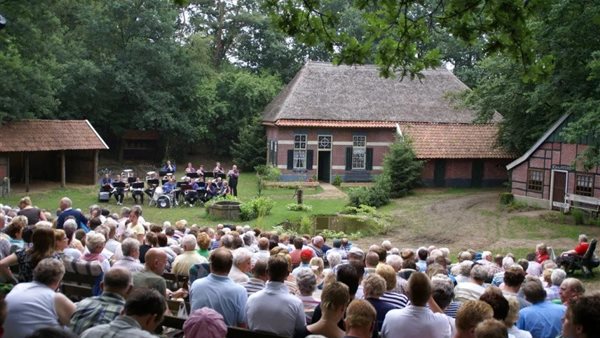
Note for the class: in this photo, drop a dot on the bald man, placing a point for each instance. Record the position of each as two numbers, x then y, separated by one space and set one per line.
151 276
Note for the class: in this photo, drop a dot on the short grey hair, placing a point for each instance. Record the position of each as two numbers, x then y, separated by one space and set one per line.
241 255
129 246
66 201
70 223
333 258
94 240
442 290
188 242
558 276
48 271
395 261
307 282
479 272
374 286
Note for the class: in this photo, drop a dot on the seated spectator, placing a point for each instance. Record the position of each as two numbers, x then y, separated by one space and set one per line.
95 244
264 310
350 275
581 319
305 256
511 319
556 279
242 265
295 253
541 253
416 320
15 231
570 289
534 268
470 314
473 288
142 314
361 318
151 276
27 259
205 323
498 278
397 300
74 249
499 304
317 265
422 254
131 253
374 286
542 318
491 328
218 292
189 257
258 279
103 309
442 292
333 303
513 279
203 242
307 284
36 304
60 242
150 241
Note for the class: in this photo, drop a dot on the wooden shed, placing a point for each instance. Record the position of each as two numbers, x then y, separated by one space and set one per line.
50 150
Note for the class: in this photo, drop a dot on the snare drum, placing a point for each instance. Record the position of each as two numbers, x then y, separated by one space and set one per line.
163 201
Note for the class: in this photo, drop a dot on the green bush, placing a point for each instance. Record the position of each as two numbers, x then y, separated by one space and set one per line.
268 172
256 207
401 169
337 180
578 216
306 225
506 198
299 207
374 196
360 210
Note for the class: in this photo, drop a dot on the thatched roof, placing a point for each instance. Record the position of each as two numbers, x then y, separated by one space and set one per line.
322 91
49 135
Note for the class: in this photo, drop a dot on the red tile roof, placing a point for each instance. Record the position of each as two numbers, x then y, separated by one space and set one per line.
335 124
454 140
49 135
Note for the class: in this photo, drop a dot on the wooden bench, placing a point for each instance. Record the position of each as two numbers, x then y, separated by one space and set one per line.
581 202
82 279
236 332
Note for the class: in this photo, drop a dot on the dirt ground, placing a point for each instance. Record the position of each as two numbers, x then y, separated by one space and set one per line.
472 220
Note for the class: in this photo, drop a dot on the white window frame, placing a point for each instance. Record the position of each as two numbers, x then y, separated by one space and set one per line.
300 147
359 152
319 137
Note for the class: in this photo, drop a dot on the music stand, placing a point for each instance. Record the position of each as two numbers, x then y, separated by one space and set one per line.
164 181
208 174
137 185
119 185
130 180
223 176
153 181
192 175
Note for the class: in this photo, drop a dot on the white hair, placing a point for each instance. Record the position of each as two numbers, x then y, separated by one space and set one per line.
188 242
507 262
387 245
558 276
333 258
94 240
395 261
241 255
486 254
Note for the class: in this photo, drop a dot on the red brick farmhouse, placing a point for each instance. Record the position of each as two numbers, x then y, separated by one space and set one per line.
549 171
339 121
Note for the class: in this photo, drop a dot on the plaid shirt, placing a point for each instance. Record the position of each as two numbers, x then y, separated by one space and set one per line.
97 310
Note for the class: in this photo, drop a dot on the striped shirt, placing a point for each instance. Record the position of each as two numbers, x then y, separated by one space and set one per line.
253 285
398 300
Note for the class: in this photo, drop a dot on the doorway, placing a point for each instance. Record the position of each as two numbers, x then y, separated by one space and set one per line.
476 173
324 171
559 189
439 173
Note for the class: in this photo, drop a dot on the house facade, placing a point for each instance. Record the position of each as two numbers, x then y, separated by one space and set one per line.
550 169
340 121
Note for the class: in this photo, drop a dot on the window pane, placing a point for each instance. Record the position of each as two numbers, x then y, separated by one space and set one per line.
584 185
536 180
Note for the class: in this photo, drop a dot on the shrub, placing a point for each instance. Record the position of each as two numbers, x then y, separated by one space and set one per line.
256 207
268 172
299 207
337 180
374 196
506 198
578 216
306 225
401 169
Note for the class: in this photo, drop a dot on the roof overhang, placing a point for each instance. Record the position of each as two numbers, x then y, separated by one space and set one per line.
334 124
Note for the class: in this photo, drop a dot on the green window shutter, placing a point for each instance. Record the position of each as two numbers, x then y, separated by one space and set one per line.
309 159
290 160
369 159
349 158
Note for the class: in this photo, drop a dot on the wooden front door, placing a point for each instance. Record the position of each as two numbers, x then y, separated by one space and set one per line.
324 171
476 173
559 189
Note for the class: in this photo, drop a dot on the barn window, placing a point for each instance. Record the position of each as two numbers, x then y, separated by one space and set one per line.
584 185
359 151
535 181
300 151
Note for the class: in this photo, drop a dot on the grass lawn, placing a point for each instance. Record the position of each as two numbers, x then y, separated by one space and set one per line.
247 189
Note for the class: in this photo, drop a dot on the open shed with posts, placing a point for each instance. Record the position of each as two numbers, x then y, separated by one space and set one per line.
64 151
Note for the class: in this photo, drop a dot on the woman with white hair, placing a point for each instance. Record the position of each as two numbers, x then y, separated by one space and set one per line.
307 284
242 265
95 244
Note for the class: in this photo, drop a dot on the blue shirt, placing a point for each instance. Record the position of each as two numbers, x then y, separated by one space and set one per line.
221 294
542 320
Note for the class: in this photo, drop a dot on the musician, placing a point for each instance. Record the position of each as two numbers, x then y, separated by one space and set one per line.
169 186
191 194
168 167
151 187
218 170
211 190
119 192
189 169
225 189
138 192
200 171
232 175
106 184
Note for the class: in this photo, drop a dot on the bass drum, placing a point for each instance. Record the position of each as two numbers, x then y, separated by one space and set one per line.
163 201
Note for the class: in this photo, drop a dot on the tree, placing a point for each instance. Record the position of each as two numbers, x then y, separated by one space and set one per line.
250 149
401 169
393 31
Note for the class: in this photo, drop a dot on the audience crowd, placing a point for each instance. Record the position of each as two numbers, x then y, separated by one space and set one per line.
289 286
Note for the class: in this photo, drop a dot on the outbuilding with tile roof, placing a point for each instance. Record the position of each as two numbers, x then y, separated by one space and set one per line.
340 121
50 150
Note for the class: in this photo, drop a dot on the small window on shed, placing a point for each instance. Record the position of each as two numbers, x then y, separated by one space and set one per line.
535 181
584 185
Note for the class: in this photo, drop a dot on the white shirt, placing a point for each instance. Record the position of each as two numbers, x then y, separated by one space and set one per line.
237 276
468 291
275 310
415 321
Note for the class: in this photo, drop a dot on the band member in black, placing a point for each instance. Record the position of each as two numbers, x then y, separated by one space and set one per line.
137 191
119 190
232 176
